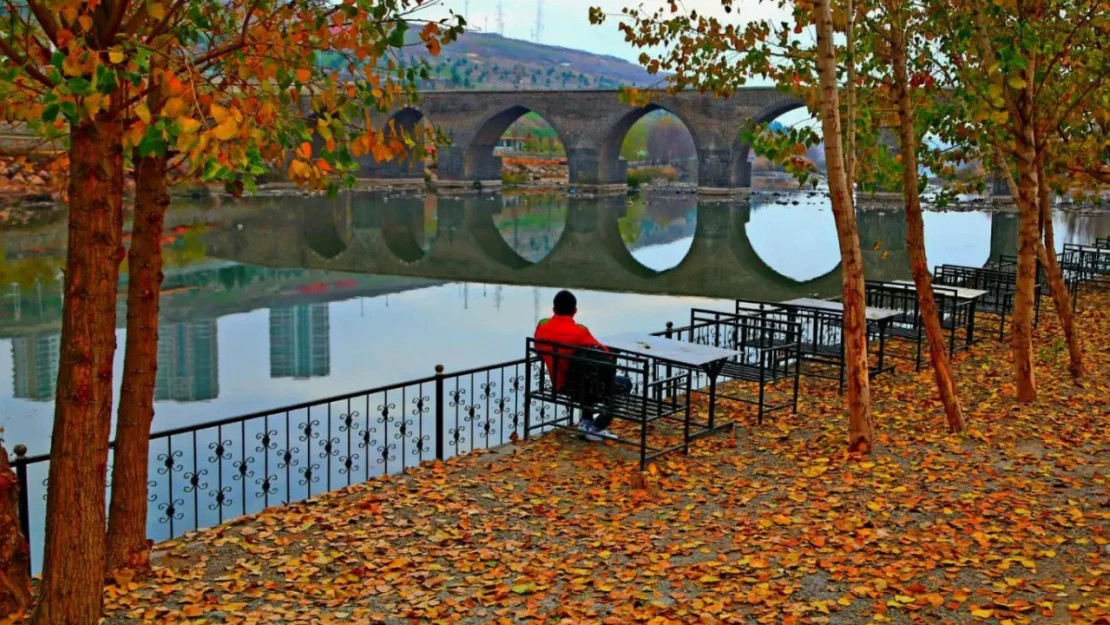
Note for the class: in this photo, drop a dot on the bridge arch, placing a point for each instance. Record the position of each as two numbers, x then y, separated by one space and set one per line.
740 171
480 163
318 225
406 121
610 168
745 252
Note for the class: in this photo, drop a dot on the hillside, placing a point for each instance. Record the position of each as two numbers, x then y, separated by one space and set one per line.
488 61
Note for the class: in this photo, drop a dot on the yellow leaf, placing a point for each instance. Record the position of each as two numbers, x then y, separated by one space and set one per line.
185 141
86 23
218 113
188 125
157 11
226 130
1017 82
92 103
174 108
982 613
115 56
143 112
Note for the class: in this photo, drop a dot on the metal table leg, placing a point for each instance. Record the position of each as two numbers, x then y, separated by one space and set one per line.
882 344
971 323
713 369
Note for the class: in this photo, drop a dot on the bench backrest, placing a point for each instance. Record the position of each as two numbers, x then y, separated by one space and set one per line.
584 374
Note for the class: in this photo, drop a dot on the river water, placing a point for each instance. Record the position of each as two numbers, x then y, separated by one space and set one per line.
278 300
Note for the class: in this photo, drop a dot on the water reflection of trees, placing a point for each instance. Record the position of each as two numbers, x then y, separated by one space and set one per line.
532 224
651 221
1083 227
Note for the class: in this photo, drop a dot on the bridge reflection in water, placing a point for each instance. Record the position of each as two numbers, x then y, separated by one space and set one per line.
372 233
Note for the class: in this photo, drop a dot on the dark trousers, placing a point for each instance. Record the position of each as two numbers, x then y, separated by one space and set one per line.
601 420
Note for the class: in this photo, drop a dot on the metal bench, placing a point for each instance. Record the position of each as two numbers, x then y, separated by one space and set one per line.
1091 263
767 351
1070 268
820 344
645 404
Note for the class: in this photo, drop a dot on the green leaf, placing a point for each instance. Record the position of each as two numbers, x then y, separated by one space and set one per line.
50 113
79 86
1017 82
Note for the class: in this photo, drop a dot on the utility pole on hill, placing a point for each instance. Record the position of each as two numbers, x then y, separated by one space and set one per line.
538 32
501 17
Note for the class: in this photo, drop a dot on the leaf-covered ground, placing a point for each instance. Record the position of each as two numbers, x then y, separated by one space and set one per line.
1005 524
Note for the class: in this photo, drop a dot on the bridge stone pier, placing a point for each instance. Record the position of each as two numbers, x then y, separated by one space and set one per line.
591 125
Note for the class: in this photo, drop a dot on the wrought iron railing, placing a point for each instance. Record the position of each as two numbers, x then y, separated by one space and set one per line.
204 474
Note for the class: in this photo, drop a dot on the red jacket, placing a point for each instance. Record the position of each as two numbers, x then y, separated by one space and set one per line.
563 329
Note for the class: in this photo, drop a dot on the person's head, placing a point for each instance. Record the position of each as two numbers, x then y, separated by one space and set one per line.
565 303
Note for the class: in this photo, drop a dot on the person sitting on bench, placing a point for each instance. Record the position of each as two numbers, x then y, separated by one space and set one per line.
589 377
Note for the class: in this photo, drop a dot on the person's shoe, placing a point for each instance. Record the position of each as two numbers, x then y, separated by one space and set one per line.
587 430
602 434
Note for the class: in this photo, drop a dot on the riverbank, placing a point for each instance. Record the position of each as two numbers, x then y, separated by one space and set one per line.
1005 524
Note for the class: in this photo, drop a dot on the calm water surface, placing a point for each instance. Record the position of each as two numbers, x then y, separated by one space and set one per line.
273 301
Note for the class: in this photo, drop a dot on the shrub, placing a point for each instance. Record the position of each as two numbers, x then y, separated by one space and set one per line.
646 175
515 177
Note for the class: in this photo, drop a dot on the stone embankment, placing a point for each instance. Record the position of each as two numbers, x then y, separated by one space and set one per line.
22 175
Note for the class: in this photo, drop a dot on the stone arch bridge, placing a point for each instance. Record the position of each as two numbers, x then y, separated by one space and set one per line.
362 234
591 125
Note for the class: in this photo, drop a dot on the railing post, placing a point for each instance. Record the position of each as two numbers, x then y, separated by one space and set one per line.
670 394
24 497
439 412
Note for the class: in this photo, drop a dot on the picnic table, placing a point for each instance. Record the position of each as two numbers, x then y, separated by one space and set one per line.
707 358
881 317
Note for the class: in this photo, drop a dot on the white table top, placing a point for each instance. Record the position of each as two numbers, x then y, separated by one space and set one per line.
678 352
1090 249
961 292
874 314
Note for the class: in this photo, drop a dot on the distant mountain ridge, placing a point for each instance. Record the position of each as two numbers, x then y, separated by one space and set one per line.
490 61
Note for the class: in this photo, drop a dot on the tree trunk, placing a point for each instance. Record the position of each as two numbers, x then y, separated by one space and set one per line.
127 519
15 553
73 564
1051 264
860 428
1028 235
915 239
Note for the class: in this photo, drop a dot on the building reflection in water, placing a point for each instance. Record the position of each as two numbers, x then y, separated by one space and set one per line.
188 361
35 366
300 342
